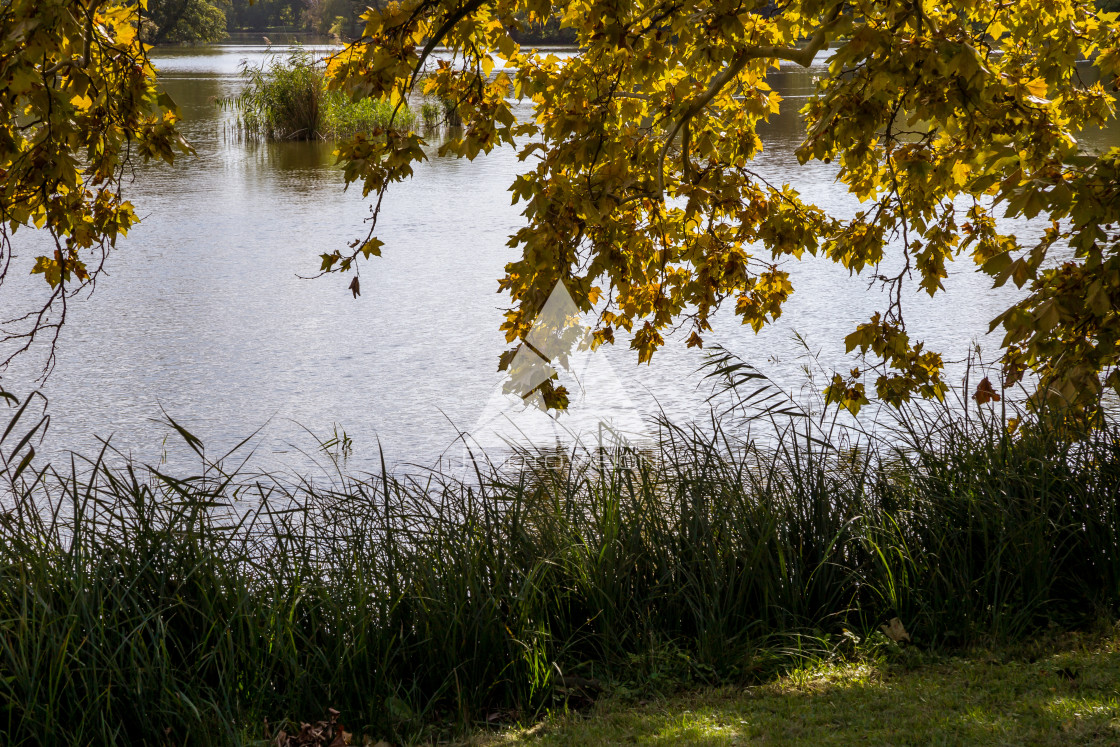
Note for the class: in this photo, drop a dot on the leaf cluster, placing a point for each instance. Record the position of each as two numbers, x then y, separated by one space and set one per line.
639 195
78 104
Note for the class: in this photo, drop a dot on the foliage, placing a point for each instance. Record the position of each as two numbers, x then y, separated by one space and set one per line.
79 104
337 17
263 15
531 31
184 21
222 600
343 18
641 198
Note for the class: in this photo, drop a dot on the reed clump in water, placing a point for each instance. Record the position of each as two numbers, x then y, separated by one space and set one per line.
287 98
138 606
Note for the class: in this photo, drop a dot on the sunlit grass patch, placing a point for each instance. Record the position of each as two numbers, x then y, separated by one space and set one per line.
818 677
343 117
1070 695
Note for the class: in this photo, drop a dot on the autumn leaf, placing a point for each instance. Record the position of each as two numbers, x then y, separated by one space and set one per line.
985 393
642 187
637 186
895 630
81 106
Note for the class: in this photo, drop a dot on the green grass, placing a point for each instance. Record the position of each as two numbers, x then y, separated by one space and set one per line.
343 117
1059 694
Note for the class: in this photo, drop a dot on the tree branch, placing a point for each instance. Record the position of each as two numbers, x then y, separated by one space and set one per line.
802 56
84 61
443 31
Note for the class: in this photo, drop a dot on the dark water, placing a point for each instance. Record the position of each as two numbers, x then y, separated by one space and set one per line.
204 313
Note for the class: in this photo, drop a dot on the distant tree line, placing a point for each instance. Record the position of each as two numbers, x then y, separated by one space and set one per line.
184 21
206 21
202 21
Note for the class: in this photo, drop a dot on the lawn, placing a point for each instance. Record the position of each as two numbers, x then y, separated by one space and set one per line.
1063 692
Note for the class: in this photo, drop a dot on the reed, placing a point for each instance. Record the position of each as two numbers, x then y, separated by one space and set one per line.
343 118
283 98
287 98
138 606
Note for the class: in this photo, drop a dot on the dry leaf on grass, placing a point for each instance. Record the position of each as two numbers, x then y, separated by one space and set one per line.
895 631
326 733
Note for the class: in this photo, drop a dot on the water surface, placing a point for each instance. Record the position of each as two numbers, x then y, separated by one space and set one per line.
204 314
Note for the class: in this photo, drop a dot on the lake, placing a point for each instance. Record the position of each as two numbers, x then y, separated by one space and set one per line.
204 314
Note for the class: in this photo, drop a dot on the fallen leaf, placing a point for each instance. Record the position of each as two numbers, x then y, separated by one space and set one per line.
895 629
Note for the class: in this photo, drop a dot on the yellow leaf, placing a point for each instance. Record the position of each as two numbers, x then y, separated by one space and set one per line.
961 171
1037 87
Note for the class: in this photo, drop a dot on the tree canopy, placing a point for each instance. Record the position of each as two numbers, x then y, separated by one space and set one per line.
638 191
78 103
639 194
184 21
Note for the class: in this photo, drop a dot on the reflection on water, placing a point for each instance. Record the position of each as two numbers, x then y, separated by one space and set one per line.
204 312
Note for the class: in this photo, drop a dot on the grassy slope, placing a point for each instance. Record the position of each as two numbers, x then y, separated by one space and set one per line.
1062 694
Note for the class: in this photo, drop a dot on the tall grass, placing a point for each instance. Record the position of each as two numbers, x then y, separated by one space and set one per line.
287 98
143 607
343 117
283 98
